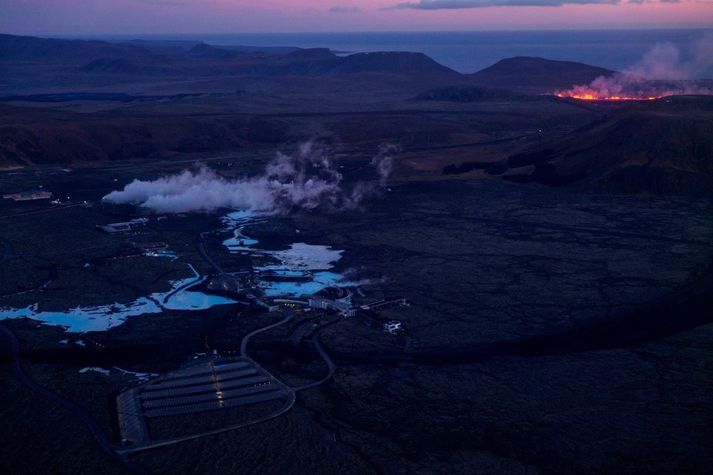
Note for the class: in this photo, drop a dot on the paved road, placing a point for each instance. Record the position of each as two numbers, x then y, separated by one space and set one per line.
208 259
246 338
331 367
194 281
78 411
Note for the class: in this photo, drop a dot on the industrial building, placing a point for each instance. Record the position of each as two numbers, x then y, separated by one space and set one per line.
208 385
385 303
392 326
126 227
340 306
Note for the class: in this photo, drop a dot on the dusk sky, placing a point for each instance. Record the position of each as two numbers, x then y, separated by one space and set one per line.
95 17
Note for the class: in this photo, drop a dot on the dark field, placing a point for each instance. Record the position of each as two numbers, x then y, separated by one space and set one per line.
556 257
508 353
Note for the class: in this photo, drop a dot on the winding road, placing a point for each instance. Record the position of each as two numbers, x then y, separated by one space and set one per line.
331 367
246 338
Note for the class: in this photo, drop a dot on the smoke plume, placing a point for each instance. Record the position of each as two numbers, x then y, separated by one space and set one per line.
307 179
661 72
355 277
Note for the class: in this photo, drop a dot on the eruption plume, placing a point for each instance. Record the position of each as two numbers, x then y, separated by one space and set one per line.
661 72
306 179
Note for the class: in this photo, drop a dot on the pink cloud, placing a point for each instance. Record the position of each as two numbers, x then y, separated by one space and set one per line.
65 17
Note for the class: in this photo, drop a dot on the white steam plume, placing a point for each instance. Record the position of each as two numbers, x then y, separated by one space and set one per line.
661 72
304 180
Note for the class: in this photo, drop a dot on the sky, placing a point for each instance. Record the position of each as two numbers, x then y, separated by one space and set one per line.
116 17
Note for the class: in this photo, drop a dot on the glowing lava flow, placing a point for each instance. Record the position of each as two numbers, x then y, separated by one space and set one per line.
596 97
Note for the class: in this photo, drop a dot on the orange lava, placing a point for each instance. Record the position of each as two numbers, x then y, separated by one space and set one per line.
594 97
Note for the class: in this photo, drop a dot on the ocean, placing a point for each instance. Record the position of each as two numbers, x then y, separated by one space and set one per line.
471 51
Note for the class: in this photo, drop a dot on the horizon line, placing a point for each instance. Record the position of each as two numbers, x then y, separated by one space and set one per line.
359 32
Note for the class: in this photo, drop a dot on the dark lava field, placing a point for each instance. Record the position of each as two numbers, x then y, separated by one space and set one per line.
521 283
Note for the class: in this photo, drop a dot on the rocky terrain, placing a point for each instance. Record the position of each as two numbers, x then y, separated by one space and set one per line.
664 147
555 256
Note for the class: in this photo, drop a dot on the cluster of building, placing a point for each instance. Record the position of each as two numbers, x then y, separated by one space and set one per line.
368 311
347 309
224 284
154 249
31 195
340 306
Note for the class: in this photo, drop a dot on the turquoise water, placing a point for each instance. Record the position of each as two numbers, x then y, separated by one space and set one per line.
298 260
104 317
238 240
321 281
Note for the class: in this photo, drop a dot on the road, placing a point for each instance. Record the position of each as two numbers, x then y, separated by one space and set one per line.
331 367
315 340
208 259
246 338
184 286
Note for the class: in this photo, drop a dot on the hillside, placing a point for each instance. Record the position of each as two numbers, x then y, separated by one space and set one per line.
663 147
28 48
206 51
536 74
389 62
31 136
201 58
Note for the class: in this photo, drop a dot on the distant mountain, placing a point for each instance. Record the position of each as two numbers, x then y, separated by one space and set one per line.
325 62
391 62
662 147
28 48
203 50
302 61
310 54
175 47
177 59
539 74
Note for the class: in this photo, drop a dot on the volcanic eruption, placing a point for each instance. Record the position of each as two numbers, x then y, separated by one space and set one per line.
661 72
